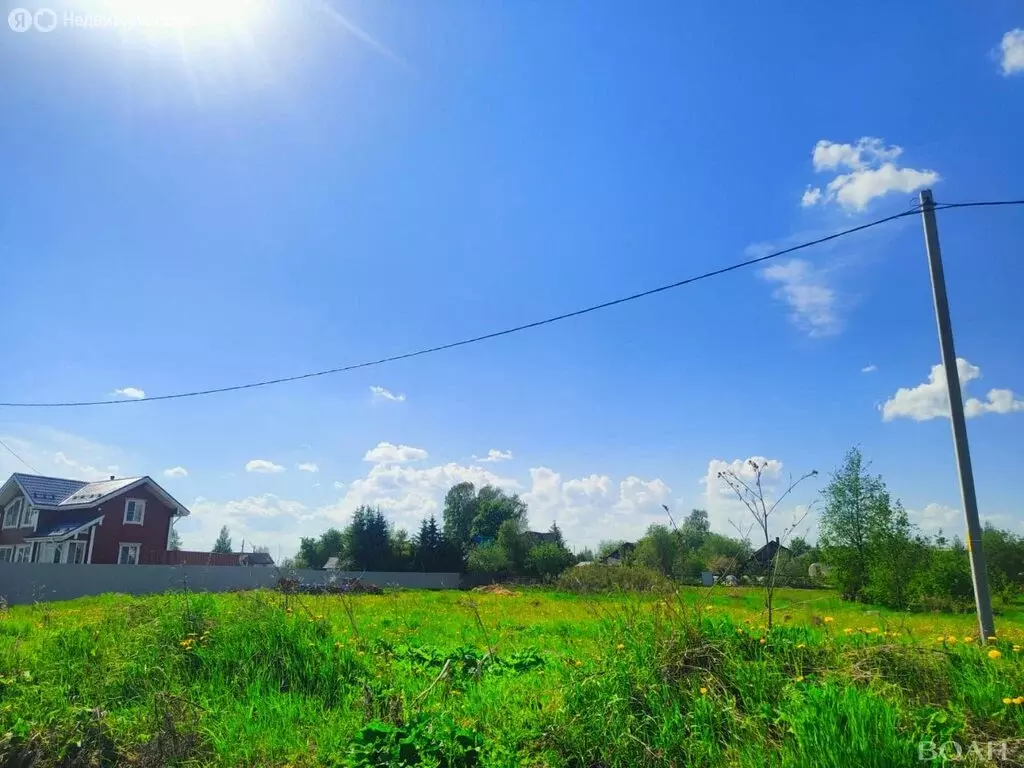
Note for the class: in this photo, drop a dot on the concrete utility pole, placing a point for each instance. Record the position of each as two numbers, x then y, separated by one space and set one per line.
982 599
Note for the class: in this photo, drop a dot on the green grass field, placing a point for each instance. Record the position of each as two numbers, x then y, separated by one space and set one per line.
531 679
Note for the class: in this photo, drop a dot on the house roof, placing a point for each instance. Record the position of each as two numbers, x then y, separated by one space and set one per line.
90 492
47 490
63 492
256 558
67 527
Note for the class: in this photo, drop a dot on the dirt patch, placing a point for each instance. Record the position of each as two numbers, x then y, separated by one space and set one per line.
495 589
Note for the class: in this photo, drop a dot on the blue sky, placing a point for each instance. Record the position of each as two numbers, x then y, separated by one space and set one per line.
297 186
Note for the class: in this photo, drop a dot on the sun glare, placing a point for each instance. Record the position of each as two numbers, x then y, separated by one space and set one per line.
181 14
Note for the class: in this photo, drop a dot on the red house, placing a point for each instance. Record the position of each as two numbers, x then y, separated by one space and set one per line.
124 520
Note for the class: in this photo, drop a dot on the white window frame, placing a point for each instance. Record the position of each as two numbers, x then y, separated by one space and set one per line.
138 551
20 502
4 556
23 548
46 552
29 515
77 546
139 510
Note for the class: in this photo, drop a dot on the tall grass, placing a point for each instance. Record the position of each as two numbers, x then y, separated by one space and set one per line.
541 679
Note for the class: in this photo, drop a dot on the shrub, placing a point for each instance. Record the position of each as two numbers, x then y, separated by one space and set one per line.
588 579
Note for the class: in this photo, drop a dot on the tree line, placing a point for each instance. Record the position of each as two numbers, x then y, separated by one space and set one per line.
481 530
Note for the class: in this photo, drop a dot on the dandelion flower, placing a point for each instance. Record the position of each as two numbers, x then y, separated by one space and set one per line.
619 647
703 691
968 639
951 640
799 678
1019 700
1016 649
829 619
739 631
763 641
990 638
940 639
848 631
994 654
1007 700
801 645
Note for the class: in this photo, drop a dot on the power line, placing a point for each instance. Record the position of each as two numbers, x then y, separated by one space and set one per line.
11 451
515 329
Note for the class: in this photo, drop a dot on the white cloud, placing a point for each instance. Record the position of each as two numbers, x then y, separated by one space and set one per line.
379 393
176 472
1013 51
131 392
56 453
930 400
387 453
308 466
495 455
591 509
855 190
866 153
869 368
338 484
811 300
935 517
811 196
263 467
725 510
873 173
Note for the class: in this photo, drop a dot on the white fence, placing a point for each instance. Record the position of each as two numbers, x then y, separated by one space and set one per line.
23 583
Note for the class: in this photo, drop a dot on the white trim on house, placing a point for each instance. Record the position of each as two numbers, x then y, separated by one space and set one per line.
20 502
138 551
18 549
92 523
138 512
7 548
92 540
78 547
29 516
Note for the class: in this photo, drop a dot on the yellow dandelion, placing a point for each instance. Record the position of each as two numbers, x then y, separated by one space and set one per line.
763 641
829 619
739 631
848 631
799 678
1019 700
990 638
951 640
994 654
619 647
337 645
801 645
968 639
703 691
1007 700
940 639
1016 649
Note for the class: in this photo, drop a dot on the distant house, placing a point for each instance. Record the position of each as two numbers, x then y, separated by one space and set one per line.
255 559
618 555
124 521
763 557
333 564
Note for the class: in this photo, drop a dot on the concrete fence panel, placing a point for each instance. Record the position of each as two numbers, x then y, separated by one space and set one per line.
24 583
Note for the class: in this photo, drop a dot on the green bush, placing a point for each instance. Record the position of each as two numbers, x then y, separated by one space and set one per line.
589 579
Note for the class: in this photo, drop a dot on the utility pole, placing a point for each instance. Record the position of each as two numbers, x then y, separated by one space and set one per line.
982 598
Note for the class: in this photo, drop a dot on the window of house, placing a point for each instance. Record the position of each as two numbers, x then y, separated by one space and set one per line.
28 519
12 514
134 511
128 554
75 552
51 553
6 554
23 553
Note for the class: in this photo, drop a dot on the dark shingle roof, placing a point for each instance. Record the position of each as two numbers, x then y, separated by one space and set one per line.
48 490
64 527
256 558
92 491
